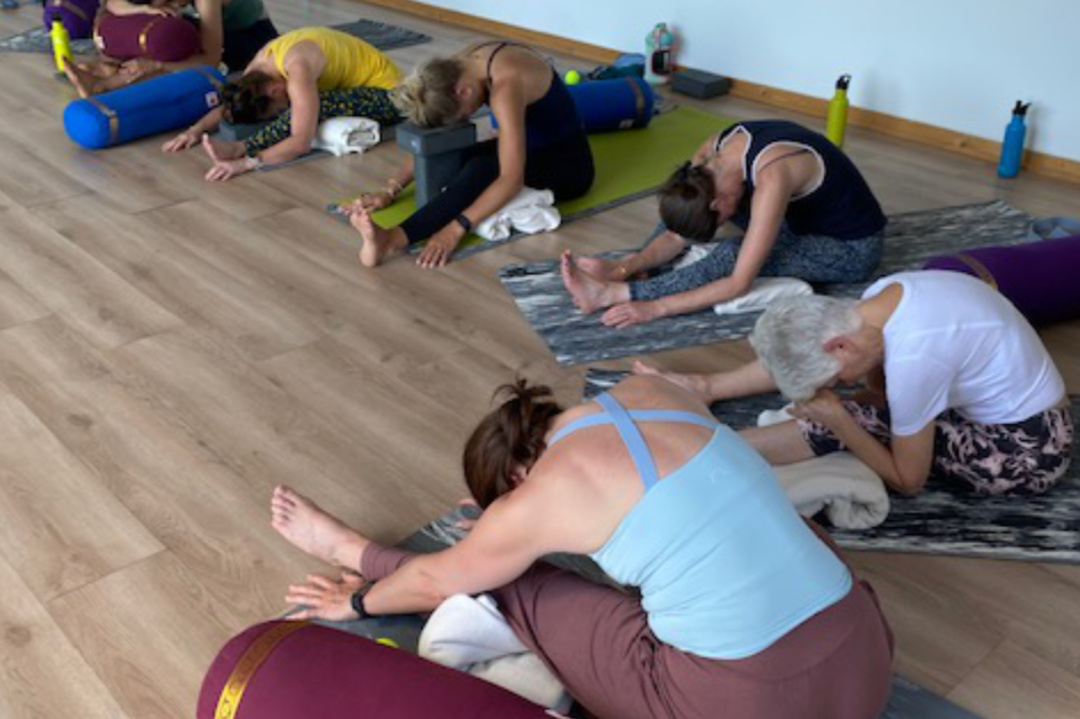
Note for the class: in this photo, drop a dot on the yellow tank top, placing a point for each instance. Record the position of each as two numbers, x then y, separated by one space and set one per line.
350 62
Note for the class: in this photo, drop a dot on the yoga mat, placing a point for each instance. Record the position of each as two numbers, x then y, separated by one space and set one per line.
383 36
36 39
940 519
907 700
379 34
630 164
910 240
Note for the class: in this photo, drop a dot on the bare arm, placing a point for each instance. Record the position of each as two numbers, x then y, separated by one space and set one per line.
766 215
502 545
662 249
904 467
508 106
304 107
211 35
705 151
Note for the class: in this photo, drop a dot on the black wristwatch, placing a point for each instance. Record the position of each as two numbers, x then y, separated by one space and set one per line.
465 222
357 599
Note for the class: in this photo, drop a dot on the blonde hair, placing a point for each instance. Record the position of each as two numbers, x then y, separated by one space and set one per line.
428 96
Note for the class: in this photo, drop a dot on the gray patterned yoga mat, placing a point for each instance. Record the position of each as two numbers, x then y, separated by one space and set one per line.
941 520
383 36
907 700
379 34
36 39
911 239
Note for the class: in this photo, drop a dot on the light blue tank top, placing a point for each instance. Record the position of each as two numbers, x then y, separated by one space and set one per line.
725 565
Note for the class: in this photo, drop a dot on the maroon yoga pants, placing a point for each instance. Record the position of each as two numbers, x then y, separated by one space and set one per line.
835 665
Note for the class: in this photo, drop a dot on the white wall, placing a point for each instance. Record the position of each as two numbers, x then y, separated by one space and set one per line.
957 64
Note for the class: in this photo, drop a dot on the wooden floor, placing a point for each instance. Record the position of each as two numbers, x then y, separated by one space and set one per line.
170 350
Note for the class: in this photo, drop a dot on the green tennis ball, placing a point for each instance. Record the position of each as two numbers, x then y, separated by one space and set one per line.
573 77
387 642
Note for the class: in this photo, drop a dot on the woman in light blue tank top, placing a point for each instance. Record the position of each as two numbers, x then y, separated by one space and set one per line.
744 610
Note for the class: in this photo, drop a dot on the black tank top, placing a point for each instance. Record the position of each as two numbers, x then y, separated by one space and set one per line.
842 206
550 119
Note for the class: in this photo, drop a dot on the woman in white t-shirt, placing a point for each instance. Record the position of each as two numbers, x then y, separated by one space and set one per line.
958 385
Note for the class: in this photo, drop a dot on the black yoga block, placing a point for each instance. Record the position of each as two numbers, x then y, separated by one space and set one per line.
700 84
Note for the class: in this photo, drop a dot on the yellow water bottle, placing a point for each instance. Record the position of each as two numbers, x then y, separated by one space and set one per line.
838 106
61 42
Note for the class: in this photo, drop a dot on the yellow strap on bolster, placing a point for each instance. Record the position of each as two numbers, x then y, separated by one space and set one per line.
114 120
209 76
639 101
233 692
980 269
143 36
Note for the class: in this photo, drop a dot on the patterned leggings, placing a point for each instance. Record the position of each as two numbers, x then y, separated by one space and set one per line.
814 258
370 102
990 459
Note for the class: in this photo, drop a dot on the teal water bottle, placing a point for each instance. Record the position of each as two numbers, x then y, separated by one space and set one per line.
838 107
659 60
1012 147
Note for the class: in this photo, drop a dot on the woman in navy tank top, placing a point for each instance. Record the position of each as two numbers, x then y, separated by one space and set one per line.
804 208
540 144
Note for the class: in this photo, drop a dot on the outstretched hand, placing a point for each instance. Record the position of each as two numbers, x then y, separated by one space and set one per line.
369 202
227 169
181 142
627 314
440 247
325 598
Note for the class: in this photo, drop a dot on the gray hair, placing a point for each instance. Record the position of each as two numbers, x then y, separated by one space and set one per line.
428 96
790 341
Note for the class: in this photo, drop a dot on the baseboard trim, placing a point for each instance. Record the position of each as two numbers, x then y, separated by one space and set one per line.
1059 168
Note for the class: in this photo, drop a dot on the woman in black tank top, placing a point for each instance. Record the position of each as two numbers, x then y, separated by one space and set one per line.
805 209
540 144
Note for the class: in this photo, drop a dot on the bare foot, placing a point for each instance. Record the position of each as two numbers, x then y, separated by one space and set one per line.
590 294
312 530
377 243
695 384
222 151
84 81
603 269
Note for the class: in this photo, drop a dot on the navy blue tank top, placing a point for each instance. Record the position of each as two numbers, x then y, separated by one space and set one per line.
842 206
550 119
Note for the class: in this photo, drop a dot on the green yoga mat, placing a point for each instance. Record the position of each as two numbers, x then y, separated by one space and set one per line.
630 164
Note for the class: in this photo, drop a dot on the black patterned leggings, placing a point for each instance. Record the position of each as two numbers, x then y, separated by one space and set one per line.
1023 458
370 102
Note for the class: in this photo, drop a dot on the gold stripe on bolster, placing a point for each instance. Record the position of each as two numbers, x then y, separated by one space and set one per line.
114 121
639 100
980 269
209 76
146 31
250 661
71 7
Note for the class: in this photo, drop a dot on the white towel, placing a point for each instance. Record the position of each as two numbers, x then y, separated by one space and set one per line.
345 135
851 493
764 292
530 212
471 634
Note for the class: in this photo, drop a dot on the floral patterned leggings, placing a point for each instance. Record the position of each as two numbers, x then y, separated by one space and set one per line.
371 102
992 459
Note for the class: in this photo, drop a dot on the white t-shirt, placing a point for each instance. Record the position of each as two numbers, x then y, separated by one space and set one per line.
953 342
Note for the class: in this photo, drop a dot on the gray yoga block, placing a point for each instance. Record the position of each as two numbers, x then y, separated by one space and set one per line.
438 154
700 84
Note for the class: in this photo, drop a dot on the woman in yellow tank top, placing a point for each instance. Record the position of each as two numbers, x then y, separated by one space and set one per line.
301 78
